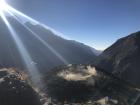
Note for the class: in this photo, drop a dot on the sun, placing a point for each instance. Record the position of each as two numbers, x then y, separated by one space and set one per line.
3 5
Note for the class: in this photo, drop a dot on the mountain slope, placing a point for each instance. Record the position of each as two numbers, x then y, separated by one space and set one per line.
54 50
123 58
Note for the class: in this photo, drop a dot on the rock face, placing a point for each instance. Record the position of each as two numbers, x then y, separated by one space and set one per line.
14 90
48 51
123 59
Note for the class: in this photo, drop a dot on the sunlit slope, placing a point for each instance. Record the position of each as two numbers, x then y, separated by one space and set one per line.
47 50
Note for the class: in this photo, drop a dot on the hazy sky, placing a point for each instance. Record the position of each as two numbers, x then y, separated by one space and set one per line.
97 23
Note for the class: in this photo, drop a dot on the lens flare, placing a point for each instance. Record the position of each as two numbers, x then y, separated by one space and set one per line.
31 67
47 45
3 5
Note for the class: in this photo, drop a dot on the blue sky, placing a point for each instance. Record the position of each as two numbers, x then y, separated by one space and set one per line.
98 23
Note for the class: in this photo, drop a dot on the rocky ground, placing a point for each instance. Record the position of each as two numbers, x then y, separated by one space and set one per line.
67 85
14 90
84 85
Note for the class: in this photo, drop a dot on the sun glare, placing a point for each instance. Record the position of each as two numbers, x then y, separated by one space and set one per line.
3 5
6 10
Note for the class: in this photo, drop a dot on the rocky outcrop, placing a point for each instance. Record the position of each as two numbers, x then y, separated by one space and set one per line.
14 90
82 83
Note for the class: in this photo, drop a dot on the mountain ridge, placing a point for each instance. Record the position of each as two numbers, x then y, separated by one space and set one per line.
122 58
47 49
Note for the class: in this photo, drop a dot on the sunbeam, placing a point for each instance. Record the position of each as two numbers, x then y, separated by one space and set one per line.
35 21
21 14
32 69
41 40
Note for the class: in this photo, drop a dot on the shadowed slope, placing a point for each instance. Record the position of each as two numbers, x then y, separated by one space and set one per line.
42 56
123 58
